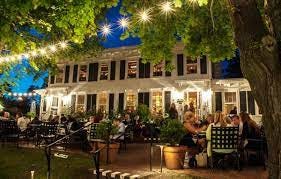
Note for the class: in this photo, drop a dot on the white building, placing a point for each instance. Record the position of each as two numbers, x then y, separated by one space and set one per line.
119 80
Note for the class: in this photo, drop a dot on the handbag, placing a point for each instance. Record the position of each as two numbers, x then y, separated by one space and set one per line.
202 159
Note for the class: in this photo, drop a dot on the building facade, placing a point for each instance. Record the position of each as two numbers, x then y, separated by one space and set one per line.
119 80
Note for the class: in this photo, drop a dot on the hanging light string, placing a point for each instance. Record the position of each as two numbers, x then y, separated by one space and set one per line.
143 16
51 49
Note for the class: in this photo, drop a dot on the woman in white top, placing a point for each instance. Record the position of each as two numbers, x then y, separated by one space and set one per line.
21 122
219 121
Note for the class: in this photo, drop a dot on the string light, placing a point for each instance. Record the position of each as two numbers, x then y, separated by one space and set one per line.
63 45
166 7
42 51
34 53
106 30
123 23
53 48
144 15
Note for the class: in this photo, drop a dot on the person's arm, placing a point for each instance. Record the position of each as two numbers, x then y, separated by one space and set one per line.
190 128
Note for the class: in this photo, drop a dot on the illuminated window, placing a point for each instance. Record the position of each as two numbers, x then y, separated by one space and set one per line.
191 65
157 100
190 99
80 103
83 73
229 101
157 69
104 71
131 101
102 102
54 106
132 69
59 76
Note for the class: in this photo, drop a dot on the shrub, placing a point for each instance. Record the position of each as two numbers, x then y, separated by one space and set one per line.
105 129
172 131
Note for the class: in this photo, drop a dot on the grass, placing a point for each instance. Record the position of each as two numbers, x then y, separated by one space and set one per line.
18 162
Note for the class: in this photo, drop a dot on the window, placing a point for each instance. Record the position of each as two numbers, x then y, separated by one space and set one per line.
191 65
80 103
157 69
102 102
229 101
180 66
83 73
54 106
157 102
59 76
75 73
190 98
132 69
104 72
131 101
93 71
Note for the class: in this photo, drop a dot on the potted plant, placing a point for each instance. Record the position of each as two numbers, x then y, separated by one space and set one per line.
143 112
171 132
105 130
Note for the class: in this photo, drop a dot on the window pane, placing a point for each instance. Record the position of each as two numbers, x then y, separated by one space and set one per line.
83 73
131 101
157 69
229 101
59 76
102 102
157 102
132 69
80 103
104 72
191 65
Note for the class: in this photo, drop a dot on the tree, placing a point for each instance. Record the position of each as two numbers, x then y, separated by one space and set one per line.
211 28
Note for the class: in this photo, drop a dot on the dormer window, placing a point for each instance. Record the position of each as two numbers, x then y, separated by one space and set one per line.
104 71
191 65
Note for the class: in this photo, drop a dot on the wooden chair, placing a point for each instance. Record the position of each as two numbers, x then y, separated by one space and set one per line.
225 141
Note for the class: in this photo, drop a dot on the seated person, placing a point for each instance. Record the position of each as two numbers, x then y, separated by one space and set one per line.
189 124
36 121
237 122
219 121
63 119
250 131
21 122
121 129
209 120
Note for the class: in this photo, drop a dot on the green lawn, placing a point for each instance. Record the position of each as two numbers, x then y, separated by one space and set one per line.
18 162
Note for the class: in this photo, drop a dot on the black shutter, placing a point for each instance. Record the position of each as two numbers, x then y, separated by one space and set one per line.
73 103
167 97
146 98
251 103
141 68
167 73
91 72
140 98
75 73
122 69
121 102
147 70
111 102
52 79
91 102
203 64
66 74
218 96
112 70
243 104
180 64
96 72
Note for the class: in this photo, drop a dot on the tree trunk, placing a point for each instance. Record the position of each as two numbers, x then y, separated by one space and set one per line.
261 64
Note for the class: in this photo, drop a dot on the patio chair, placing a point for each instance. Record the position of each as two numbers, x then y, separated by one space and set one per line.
225 141
257 146
48 132
10 131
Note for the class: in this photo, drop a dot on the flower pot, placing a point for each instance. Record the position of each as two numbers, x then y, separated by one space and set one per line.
174 156
112 152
